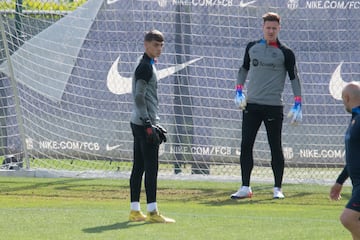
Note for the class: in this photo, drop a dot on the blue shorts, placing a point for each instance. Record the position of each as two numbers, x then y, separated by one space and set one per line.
354 202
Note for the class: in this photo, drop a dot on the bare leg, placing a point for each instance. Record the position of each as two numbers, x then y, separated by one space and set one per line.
351 221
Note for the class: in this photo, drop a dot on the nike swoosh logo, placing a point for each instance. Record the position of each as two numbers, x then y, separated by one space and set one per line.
111 1
118 84
242 4
110 148
337 83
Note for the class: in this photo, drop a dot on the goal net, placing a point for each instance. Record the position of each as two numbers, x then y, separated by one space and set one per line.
65 84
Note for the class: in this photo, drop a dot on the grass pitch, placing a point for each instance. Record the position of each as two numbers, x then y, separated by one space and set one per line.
73 208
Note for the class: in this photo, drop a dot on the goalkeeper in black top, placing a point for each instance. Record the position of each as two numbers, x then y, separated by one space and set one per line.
266 64
147 132
350 217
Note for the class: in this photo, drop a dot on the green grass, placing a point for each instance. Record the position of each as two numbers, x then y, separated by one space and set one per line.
73 208
41 5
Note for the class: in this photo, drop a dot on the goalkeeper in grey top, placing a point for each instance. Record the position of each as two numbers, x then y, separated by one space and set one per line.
148 134
267 62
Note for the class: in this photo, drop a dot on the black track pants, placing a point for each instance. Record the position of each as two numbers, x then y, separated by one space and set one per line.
146 159
253 116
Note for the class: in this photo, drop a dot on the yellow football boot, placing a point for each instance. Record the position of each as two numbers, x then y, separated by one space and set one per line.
136 216
156 217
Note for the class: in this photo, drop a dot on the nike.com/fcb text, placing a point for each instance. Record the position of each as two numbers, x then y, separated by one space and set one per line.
72 145
333 4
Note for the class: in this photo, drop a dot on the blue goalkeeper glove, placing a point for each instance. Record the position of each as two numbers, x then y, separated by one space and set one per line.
240 99
295 112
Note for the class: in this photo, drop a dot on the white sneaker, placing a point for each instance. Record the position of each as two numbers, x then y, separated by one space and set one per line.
278 193
243 192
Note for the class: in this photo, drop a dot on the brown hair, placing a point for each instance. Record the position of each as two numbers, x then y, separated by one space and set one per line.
154 35
271 16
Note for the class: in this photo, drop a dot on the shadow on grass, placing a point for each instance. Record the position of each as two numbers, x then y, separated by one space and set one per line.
262 195
115 226
73 187
221 198
26 185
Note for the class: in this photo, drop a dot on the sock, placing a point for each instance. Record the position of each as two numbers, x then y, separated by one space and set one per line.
135 206
151 207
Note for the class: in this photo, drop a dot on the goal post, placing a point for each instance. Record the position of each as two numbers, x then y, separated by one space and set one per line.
72 70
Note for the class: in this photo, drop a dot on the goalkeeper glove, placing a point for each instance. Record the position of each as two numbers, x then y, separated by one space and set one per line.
161 131
150 132
240 99
295 112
